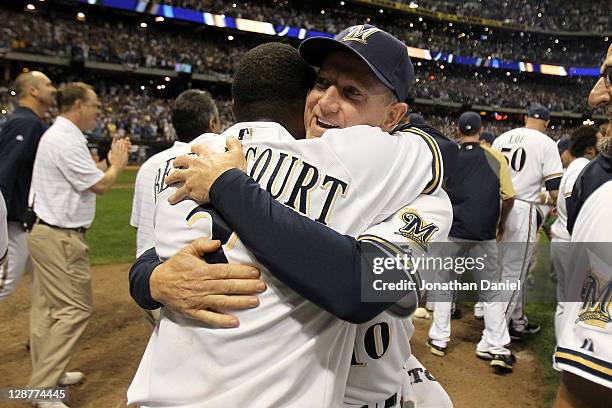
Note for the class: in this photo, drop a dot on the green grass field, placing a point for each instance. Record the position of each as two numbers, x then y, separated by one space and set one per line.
113 240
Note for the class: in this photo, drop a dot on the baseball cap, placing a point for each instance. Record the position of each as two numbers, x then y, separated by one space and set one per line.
469 123
538 111
384 54
416 119
563 144
488 137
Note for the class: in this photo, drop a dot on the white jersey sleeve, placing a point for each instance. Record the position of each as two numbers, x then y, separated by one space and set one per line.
399 166
382 345
584 344
3 232
421 389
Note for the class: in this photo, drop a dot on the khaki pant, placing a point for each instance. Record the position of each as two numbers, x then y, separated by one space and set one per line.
61 300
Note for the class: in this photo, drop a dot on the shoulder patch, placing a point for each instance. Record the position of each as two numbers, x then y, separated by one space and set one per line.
416 229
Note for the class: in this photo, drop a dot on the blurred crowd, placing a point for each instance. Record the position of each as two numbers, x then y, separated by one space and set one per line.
132 46
115 42
507 91
128 112
460 39
557 15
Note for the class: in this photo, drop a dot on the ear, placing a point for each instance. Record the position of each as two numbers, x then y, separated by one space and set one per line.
395 113
214 124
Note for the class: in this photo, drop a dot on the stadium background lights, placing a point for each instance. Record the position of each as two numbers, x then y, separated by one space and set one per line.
413 5
420 18
322 11
167 79
4 111
342 3
588 122
13 93
381 11
159 19
143 25
80 16
31 7
230 37
142 87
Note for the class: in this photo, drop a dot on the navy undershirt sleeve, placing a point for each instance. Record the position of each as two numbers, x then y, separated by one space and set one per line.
140 274
317 262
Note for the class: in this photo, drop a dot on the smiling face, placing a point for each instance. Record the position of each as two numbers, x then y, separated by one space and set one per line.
347 93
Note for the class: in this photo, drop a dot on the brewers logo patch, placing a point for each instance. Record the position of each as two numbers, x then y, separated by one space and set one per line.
360 34
416 229
596 307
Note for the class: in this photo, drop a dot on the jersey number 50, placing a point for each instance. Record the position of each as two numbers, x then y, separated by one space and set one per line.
516 159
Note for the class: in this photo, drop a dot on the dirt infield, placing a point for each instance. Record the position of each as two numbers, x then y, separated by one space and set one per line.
117 335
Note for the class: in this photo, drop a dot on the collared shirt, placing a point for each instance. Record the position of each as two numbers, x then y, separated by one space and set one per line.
483 179
143 204
596 173
19 140
64 171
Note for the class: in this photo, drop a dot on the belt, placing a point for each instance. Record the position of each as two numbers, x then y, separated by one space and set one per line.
389 402
81 230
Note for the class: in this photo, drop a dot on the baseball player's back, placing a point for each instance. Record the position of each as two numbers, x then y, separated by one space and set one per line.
143 204
533 159
287 351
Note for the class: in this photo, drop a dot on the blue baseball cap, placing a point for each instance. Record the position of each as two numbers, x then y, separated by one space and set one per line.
488 137
469 123
538 111
563 144
416 119
384 54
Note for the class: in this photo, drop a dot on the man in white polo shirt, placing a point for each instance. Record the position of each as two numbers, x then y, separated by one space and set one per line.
65 182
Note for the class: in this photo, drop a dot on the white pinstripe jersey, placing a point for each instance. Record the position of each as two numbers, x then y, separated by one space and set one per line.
143 204
287 351
533 158
584 344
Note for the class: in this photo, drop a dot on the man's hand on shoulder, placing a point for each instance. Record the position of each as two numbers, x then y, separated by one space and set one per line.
187 284
198 173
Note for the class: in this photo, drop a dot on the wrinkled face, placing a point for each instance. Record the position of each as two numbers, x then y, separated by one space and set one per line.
44 91
347 93
601 94
90 111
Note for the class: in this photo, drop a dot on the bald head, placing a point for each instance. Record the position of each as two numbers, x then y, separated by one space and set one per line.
35 90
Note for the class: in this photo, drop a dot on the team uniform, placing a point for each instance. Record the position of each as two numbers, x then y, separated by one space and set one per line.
534 159
19 141
585 337
560 247
143 203
485 182
143 206
378 378
288 351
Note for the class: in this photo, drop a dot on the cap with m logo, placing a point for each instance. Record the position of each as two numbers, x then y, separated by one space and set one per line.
384 54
